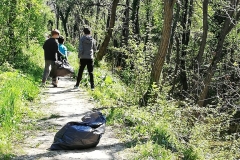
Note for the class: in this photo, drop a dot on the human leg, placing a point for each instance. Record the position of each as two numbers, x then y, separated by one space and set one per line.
80 71
46 71
90 72
54 81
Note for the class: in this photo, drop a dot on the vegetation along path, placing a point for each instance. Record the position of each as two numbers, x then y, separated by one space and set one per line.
61 105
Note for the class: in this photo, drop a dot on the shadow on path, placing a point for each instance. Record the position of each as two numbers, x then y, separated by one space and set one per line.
57 154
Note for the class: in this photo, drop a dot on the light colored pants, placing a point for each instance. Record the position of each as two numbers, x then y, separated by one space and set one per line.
47 69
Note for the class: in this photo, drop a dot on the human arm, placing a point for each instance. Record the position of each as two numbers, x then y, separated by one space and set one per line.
94 46
80 50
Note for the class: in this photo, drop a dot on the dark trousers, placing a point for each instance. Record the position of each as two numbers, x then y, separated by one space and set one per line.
83 64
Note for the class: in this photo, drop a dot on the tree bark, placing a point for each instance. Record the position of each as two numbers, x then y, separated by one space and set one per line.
102 50
57 17
125 30
64 17
186 24
134 17
163 47
176 19
157 65
177 62
204 36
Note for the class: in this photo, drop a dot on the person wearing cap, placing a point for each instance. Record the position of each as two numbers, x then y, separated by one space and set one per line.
51 54
87 47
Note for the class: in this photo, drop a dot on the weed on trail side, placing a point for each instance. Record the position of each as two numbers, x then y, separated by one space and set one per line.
19 89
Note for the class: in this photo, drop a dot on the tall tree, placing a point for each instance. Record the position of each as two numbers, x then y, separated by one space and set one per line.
125 30
158 62
103 47
135 16
204 35
186 24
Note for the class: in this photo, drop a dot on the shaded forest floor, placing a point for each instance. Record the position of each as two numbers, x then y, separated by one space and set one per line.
61 105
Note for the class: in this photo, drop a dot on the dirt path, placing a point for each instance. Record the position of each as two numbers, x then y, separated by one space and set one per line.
61 105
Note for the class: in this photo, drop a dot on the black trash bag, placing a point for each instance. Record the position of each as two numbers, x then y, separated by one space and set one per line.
61 68
80 135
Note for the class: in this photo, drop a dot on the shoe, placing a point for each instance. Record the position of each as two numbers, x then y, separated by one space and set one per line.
54 84
92 89
76 87
43 85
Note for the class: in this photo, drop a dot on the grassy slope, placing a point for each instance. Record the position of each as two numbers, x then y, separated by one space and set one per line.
19 89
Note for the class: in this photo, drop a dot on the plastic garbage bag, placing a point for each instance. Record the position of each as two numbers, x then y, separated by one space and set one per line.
61 68
80 135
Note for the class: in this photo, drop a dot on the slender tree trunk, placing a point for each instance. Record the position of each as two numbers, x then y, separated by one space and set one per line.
11 33
134 17
125 30
163 47
120 58
157 65
64 17
148 23
97 18
57 17
186 24
176 19
102 50
177 62
108 19
227 27
204 36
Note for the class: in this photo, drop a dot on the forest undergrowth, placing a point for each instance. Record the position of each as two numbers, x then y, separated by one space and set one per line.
165 128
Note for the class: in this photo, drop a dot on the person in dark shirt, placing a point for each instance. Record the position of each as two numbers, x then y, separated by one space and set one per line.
51 54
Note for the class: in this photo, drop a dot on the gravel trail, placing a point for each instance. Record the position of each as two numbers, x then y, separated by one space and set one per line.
61 105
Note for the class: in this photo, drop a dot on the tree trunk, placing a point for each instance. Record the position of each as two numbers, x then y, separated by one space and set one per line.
134 17
162 50
97 18
176 19
147 24
204 36
186 24
163 47
11 34
57 17
227 27
108 19
102 50
65 19
125 30
177 62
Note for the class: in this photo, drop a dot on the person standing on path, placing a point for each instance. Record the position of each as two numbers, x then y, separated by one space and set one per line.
87 47
61 47
51 54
